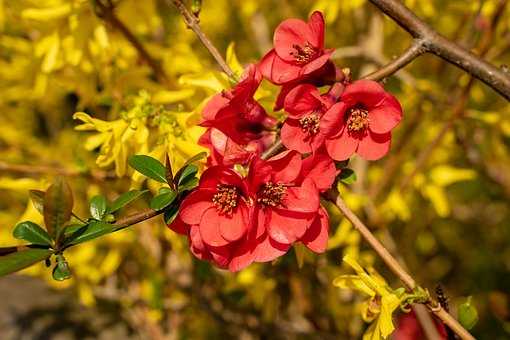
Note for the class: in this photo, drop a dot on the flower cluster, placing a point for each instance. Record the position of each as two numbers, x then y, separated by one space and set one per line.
250 209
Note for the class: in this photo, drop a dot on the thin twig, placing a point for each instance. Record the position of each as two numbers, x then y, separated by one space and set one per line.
395 266
193 23
440 46
107 13
137 218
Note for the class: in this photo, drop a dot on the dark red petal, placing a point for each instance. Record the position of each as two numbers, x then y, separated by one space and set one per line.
220 175
285 72
304 198
321 169
294 138
316 237
292 32
197 246
316 24
284 91
333 120
268 249
265 65
302 100
374 146
242 256
316 64
259 172
179 226
194 206
233 227
285 166
342 147
367 92
210 229
247 86
213 106
385 116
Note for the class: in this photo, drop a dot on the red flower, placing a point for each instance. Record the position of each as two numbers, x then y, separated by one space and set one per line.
298 50
236 113
304 130
362 121
408 328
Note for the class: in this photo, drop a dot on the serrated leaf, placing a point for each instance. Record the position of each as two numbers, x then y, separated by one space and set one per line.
188 172
149 167
58 205
37 198
163 200
98 206
89 232
32 233
124 200
347 176
15 259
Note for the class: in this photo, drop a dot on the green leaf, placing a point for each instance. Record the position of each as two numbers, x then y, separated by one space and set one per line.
149 167
188 172
163 200
98 206
37 197
58 205
32 233
124 200
169 173
89 232
171 213
189 184
468 316
347 176
16 259
61 270
193 159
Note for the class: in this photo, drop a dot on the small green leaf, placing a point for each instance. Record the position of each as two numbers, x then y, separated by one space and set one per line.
149 167
468 316
193 159
171 213
124 200
61 270
58 205
169 173
89 232
162 200
347 176
98 206
188 172
189 184
32 233
16 259
37 197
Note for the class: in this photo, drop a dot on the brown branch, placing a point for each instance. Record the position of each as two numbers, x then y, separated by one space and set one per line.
438 45
137 218
395 266
193 23
107 13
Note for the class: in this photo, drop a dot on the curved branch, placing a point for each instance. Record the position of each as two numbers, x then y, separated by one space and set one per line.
438 45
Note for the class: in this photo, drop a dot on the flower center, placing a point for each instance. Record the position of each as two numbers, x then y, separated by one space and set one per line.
310 124
303 54
271 194
358 120
225 199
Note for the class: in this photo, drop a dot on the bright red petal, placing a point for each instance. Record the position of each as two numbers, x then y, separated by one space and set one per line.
386 116
213 106
286 226
316 64
292 32
220 175
316 24
233 227
341 147
242 257
304 199
316 237
367 92
197 246
179 226
194 205
374 146
268 249
321 169
285 166
294 138
210 229
302 100
333 120
220 256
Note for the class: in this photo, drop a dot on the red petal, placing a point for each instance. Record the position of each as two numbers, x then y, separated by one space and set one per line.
294 138
197 246
316 24
304 198
284 90
316 237
321 169
284 72
386 116
242 257
247 86
374 146
194 206
333 120
210 229
213 106
179 226
285 166
302 100
268 249
368 92
287 226
233 227
220 256
341 147
265 65
316 64
220 175
292 32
